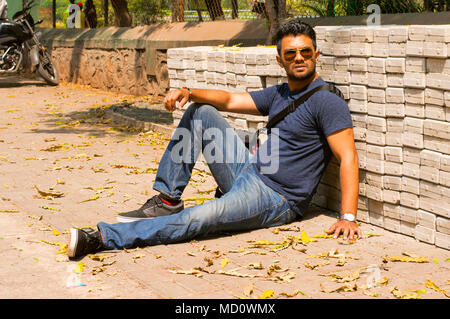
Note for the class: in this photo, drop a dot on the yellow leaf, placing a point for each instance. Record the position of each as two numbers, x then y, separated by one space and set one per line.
432 285
224 262
408 259
55 232
9 211
347 287
266 294
248 291
90 199
49 193
397 294
295 293
79 268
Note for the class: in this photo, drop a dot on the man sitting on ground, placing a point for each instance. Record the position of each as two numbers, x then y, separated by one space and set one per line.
262 190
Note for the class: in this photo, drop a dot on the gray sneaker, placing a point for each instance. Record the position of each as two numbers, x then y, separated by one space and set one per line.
154 207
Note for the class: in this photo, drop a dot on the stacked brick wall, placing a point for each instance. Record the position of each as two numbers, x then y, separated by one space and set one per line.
396 80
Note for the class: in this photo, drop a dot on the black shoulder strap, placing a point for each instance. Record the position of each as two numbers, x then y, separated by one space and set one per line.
291 107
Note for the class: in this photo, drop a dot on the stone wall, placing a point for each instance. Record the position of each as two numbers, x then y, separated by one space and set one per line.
396 80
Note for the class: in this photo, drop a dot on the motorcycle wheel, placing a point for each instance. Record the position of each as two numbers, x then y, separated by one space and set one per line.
48 72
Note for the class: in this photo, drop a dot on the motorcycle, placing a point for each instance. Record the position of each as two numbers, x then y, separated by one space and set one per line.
20 47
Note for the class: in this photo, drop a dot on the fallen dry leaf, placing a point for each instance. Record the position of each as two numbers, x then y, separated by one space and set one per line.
432 285
49 193
347 288
397 294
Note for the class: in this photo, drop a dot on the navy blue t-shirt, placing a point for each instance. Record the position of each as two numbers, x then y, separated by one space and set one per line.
303 151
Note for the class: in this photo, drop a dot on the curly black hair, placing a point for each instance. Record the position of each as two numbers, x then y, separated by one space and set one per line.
294 27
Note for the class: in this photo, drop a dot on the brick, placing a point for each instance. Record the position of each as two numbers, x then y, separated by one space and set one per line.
376 219
361 49
447 98
395 65
411 170
391 196
414 96
359 78
341 64
342 77
407 228
425 234
443 225
375 166
392 182
444 178
416 33
430 189
398 34
341 49
415 110
394 139
438 81
414 80
409 200
361 34
359 120
395 80
431 205
430 158
376 109
435 112
413 125
376 95
395 110
253 81
426 219
437 128
435 33
408 214
393 168
374 179
377 80
395 125
363 216
358 92
413 64
413 140
435 49
376 65
377 124
391 224
395 95
397 49
359 106
442 240
436 144
345 90
410 185
393 154
391 211
438 66
381 34
359 133
377 138
445 163
357 64
414 48
374 193
380 50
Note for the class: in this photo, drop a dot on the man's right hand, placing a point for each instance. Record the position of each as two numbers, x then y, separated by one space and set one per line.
174 96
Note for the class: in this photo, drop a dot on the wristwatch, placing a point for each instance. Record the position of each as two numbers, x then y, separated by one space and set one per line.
347 216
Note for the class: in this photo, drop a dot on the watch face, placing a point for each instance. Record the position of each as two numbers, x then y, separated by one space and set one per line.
349 217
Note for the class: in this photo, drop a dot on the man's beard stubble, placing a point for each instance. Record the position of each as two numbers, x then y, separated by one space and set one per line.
291 76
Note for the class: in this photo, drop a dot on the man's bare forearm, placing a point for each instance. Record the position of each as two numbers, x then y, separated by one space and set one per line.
349 180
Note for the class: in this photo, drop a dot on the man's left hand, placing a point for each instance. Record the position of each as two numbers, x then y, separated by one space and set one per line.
347 228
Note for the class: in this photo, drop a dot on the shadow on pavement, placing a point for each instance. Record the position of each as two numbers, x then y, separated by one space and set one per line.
13 81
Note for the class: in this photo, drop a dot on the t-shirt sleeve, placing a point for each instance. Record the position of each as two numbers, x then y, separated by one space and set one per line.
332 114
264 98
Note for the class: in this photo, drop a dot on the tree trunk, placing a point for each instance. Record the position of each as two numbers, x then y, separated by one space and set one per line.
123 17
235 9
330 8
177 11
199 12
215 9
276 13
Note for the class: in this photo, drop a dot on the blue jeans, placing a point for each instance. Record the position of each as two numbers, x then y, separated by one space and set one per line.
247 202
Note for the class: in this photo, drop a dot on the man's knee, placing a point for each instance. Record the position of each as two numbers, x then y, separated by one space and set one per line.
199 110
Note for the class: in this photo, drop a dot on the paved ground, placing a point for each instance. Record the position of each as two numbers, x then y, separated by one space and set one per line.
56 140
